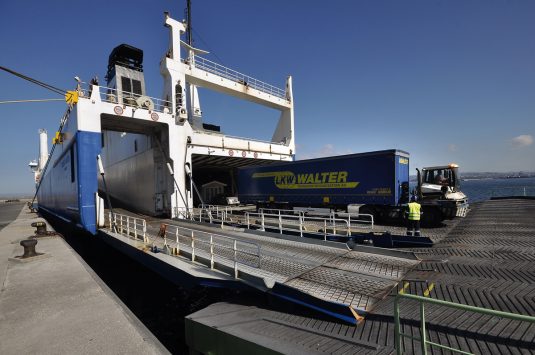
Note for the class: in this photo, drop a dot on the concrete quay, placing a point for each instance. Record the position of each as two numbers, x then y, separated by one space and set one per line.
55 304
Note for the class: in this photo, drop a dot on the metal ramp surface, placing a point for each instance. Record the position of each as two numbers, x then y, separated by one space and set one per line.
486 260
323 275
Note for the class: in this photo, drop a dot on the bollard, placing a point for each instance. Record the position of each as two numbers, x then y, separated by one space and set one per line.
41 228
29 248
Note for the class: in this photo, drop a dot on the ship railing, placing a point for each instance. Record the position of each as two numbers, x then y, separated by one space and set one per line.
201 214
221 252
514 191
114 96
354 220
182 213
425 343
130 226
235 76
297 223
220 212
357 220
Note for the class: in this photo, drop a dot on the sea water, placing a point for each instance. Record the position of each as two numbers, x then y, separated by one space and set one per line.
484 189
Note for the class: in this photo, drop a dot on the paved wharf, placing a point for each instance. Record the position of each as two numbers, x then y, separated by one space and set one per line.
56 304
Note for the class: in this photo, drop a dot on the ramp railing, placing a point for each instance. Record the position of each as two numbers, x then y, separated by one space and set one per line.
128 225
210 246
425 343
297 223
354 220
216 251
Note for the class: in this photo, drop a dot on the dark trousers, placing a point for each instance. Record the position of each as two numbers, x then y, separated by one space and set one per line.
413 228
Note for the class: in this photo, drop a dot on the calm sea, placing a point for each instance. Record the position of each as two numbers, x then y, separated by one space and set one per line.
479 190
484 189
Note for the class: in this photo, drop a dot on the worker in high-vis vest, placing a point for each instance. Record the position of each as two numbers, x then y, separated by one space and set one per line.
413 218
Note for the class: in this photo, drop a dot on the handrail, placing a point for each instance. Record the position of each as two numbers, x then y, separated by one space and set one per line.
197 241
131 226
423 336
212 242
369 221
113 95
328 223
231 74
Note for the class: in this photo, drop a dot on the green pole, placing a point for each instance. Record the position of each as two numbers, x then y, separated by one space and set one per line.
423 341
397 337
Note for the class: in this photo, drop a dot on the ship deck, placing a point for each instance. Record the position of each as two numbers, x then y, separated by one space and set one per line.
324 275
486 260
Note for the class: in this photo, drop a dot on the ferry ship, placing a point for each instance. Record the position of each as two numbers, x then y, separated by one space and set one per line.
149 154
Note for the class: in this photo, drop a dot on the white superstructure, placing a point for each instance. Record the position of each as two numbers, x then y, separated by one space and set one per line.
141 135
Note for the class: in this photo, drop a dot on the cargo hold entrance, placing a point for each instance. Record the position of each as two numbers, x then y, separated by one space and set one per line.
136 173
215 176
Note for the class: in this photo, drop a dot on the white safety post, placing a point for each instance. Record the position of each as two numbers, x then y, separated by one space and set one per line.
300 226
135 228
334 225
263 222
324 229
145 239
235 260
128 226
211 252
177 242
247 219
192 247
280 223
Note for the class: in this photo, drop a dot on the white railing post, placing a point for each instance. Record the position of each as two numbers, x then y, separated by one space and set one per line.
334 225
247 219
177 242
111 221
324 229
192 247
211 252
135 228
301 221
235 261
280 223
263 222
144 229
128 226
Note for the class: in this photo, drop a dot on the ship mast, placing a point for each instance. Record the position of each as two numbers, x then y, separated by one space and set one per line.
188 18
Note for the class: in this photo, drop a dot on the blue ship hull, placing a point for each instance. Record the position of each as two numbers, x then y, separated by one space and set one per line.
69 187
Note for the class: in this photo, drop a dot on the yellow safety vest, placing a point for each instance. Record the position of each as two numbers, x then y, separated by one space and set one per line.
414 211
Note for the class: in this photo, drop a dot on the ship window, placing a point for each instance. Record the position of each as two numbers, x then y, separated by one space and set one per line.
102 140
126 84
136 86
72 164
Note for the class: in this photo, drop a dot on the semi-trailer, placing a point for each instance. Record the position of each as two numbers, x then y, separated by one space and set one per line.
374 183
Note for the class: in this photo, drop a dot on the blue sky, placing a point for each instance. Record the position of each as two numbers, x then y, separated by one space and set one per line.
448 81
